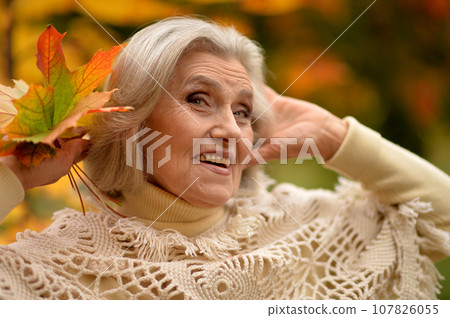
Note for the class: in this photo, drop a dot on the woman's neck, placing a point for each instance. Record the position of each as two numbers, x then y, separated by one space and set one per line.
163 210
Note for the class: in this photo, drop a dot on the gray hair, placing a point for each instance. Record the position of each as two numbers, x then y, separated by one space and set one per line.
141 71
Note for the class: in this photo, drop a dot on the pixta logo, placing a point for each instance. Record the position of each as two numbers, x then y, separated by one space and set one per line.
212 150
135 149
308 150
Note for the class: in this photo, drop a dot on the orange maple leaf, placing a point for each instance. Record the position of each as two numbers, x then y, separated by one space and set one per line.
53 110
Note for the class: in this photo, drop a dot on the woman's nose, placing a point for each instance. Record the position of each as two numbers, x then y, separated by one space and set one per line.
225 126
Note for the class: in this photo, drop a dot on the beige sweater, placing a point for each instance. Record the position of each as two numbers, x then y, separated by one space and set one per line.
374 241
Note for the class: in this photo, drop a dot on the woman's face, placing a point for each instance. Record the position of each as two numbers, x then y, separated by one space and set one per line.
210 97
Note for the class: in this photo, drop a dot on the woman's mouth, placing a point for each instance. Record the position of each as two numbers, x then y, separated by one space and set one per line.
216 163
215 160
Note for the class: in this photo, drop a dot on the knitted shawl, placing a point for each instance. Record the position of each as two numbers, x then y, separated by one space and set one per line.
290 243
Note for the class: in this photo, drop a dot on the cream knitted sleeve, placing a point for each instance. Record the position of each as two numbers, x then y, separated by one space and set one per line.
393 173
11 191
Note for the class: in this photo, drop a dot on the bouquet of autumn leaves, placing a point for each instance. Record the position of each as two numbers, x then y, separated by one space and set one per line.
33 117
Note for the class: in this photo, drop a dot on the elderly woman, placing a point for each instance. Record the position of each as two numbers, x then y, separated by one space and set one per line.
202 225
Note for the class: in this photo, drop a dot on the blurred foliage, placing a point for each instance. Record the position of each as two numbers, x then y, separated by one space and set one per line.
390 69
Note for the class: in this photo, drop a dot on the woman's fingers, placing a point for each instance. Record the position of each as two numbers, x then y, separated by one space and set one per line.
77 149
51 170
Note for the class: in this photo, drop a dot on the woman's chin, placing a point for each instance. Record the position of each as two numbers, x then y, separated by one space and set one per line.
208 201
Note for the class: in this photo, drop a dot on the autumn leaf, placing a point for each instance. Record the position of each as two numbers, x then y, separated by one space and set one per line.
70 86
31 153
33 117
35 114
78 116
7 96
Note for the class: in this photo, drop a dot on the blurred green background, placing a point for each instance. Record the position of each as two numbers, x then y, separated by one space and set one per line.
390 70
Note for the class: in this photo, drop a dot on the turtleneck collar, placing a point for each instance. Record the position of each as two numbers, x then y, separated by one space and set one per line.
163 210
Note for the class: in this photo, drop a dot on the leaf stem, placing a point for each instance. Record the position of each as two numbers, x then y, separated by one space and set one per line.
93 183
78 191
70 176
95 195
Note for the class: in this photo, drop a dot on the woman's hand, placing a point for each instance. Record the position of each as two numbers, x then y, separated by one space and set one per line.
49 170
298 119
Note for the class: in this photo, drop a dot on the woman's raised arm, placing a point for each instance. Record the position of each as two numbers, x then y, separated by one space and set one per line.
357 152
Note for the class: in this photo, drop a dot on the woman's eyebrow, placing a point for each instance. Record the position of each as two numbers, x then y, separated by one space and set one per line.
246 93
205 80
209 81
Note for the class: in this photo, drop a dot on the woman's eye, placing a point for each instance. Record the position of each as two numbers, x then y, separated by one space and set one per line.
196 99
241 113
242 116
